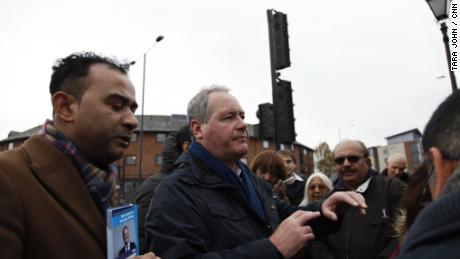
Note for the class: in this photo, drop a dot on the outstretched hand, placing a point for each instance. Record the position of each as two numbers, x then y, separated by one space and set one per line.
338 202
292 234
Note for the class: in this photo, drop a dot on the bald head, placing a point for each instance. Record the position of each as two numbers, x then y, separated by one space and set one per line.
396 165
351 162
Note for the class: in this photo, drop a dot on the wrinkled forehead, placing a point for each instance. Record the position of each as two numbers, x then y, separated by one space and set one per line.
223 101
398 162
348 148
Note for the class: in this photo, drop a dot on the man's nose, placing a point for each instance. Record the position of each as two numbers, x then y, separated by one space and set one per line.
346 162
129 120
241 124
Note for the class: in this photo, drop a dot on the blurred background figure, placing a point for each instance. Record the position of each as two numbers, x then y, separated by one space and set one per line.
175 144
414 199
317 187
295 183
269 166
396 166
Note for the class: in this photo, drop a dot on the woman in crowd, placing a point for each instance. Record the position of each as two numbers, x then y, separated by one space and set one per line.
317 187
269 166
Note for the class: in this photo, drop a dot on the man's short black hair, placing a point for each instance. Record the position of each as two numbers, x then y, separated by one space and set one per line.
443 129
69 72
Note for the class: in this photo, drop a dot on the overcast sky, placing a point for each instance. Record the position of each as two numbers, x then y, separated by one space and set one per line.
371 64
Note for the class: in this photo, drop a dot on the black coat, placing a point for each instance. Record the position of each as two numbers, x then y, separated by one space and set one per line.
296 192
144 197
436 231
405 177
371 235
196 214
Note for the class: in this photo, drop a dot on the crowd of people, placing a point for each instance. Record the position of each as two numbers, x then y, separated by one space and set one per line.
206 203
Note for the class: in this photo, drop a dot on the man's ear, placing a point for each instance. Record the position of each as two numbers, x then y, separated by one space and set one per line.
196 129
443 169
64 106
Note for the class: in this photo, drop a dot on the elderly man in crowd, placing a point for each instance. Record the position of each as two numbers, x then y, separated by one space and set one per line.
213 207
368 236
396 166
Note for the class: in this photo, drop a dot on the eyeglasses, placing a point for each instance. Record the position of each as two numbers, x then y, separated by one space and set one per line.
352 159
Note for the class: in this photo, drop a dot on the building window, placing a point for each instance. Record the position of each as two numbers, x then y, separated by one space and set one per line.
265 144
130 160
282 147
10 145
160 137
158 159
292 147
415 154
134 137
305 152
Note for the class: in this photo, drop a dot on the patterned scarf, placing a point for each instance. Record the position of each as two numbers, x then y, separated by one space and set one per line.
100 183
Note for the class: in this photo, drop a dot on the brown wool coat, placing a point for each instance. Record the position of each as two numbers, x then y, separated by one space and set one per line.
45 209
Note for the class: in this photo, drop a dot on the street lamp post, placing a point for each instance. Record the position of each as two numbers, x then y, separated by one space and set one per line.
440 9
141 134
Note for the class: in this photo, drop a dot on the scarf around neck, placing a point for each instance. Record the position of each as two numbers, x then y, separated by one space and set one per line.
244 185
99 183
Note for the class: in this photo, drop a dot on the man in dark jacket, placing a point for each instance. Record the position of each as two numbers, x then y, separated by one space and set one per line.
174 145
295 183
369 236
436 231
215 208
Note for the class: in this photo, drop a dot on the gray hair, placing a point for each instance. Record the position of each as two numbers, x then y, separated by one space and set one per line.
395 157
198 106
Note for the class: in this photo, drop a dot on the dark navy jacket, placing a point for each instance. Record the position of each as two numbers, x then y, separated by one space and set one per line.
195 214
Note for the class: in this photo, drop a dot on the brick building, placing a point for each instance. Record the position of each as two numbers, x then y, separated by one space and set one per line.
407 143
156 129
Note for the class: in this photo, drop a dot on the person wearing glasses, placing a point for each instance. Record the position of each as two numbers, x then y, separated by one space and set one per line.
371 235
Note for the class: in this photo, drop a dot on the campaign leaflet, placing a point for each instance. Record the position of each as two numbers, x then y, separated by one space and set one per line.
122 235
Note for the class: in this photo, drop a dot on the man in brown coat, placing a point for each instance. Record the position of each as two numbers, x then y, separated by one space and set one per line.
55 188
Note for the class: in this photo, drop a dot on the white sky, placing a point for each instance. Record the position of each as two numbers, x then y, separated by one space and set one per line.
372 64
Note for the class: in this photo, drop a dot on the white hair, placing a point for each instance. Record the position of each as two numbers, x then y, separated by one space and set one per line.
323 178
395 157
